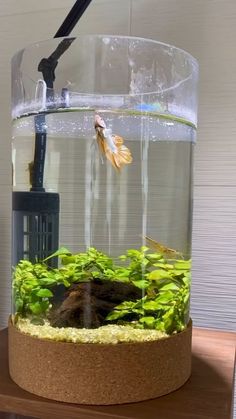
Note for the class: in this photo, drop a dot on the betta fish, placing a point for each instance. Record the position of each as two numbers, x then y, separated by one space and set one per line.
110 145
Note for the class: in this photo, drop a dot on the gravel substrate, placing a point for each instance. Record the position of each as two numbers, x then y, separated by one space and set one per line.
111 334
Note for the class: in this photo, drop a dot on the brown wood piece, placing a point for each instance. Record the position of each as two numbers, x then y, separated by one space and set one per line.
208 393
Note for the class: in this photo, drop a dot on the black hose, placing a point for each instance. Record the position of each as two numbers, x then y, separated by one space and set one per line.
72 18
47 67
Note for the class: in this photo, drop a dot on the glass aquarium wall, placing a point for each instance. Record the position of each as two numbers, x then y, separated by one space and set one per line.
103 129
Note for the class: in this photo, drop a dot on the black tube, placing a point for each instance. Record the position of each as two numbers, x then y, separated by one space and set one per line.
39 153
47 66
72 18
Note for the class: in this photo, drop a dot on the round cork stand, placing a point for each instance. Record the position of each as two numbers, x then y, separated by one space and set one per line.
99 374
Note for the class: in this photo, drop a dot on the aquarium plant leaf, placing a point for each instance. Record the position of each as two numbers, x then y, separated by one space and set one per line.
39 307
60 252
115 315
165 297
123 257
163 265
154 257
67 259
169 287
151 305
148 321
186 278
45 281
44 293
144 249
19 304
142 284
126 305
159 274
183 265
168 319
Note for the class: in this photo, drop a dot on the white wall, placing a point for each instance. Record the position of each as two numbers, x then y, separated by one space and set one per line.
207 29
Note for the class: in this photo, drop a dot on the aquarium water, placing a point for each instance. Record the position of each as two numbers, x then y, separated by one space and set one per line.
100 206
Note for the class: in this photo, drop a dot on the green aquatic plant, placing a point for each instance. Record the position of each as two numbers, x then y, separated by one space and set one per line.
33 283
165 284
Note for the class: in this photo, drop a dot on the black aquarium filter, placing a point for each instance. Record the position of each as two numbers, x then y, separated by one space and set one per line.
35 226
36 213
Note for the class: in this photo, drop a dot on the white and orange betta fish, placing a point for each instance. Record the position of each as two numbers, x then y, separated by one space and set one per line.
110 145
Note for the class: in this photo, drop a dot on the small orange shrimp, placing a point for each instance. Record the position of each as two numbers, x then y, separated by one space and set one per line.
161 248
112 146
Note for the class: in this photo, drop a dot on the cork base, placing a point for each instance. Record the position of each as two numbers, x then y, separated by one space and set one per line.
99 374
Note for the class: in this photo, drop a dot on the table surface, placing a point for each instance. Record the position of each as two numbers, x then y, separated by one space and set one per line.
208 393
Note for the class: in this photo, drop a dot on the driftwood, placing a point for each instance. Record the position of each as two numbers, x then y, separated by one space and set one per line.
87 304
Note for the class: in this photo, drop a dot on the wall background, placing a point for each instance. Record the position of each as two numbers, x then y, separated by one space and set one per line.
206 29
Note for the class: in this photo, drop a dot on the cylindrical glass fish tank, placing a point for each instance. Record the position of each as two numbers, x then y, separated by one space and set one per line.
102 150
